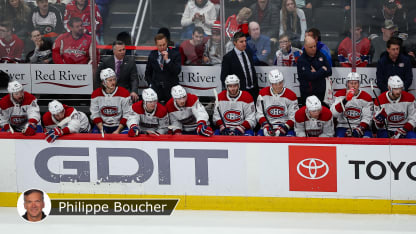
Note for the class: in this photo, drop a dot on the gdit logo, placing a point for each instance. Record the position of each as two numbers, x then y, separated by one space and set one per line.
315 168
312 168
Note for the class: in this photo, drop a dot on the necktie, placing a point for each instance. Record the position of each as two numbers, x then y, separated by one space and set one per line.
161 61
248 76
118 69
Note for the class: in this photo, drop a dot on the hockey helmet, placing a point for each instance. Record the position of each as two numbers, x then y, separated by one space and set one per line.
107 73
353 76
313 103
178 92
275 76
149 95
55 107
232 79
395 82
14 87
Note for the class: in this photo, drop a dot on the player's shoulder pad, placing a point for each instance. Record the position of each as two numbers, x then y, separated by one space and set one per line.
47 119
341 93
223 96
138 107
289 94
191 99
407 97
246 97
365 96
28 99
171 106
300 115
383 98
161 111
122 92
265 91
68 110
97 93
5 102
326 114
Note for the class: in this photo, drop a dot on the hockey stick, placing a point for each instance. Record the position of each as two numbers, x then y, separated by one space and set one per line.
346 117
218 107
64 121
385 120
265 115
11 129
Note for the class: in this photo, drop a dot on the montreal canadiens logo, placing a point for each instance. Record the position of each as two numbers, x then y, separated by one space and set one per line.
352 113
232 116
276 111
312 168
396 117
17 120
109 111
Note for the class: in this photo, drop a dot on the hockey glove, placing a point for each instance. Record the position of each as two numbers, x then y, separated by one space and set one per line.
30 130
348 133
239 130
53 134
267 130
358 131
6 128
204 130
134 131
400 133
224 130
281 130
380 117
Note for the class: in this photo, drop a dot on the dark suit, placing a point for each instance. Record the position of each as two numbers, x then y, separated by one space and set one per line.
231 65
128 72
160 80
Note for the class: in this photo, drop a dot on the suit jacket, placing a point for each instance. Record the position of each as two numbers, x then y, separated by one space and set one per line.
231 65
168 77
128 72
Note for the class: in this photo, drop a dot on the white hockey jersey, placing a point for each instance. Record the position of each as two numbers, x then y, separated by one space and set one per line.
400 113
279 108
79 121
19 115
156 121
235 111
110 109
186 118
359 110
307 126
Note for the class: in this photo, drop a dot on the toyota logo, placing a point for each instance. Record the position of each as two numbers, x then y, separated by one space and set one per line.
316 168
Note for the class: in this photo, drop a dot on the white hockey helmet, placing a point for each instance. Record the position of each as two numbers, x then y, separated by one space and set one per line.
313 103
232 79
107 73
353 76
178 92
55 107
14 87
275 76
149 95
395 82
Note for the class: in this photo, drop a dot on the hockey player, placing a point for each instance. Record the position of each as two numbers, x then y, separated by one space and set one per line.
62 119
186 114
235 112
19 111
397 110
110 105
279 104
353 109
314 120
148 116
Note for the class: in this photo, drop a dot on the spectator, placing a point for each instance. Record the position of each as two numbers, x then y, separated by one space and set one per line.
125 68
258 43
238 23
103 6
363 46
379 43
82 10
73 47
393 63
287 55
47 19
313 68
18 13
292 21
42 54
162 69
316 34
213 45
198 13
10 44
267 14
391 12
192 51
239 62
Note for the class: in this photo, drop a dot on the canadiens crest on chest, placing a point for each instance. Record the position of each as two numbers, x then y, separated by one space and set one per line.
276 111
109 111
233 116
